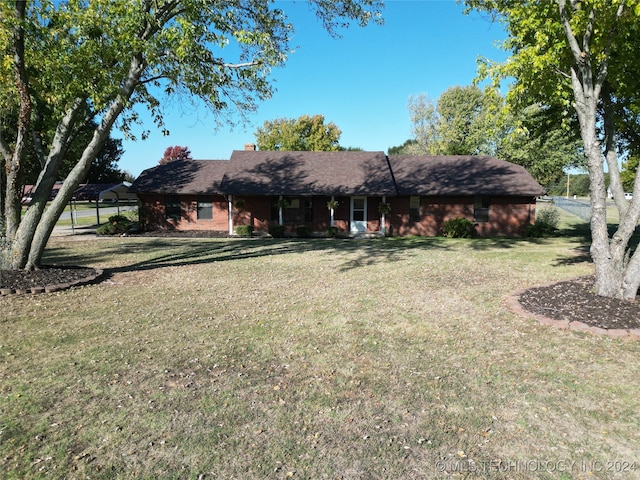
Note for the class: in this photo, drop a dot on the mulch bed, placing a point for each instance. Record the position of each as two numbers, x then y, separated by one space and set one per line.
575 301
46 279
568 301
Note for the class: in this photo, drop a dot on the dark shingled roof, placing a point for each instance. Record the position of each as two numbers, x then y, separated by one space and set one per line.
308 173
339 173
461 175
182 177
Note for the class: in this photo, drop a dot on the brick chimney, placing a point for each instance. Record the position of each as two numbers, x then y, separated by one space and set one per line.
249 147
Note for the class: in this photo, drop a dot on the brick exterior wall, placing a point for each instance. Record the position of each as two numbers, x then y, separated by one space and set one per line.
508 216
153 214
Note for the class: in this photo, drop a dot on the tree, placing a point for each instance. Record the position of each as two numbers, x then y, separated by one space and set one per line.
306 133
465 121
580 58
401 149
175 153
424 126
73 62
104 168
469 121
546 149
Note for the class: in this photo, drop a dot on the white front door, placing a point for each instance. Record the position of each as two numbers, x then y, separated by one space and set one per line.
358 214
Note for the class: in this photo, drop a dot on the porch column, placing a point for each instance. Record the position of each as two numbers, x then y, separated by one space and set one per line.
280 219
230 211
382 219
333 199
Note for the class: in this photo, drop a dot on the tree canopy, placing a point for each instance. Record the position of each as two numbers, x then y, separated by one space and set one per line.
469 121
306 133
72 62
175 153
463 122
580 59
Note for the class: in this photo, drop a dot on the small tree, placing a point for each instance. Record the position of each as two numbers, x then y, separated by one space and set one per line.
175 153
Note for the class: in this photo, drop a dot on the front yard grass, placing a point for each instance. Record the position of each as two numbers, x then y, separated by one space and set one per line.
355 359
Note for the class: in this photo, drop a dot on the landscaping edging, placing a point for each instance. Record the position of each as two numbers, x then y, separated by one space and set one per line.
513 302
97 273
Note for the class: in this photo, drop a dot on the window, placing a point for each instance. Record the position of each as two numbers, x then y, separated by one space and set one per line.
205 208
414 209
298 210
172 207
481 209
295 210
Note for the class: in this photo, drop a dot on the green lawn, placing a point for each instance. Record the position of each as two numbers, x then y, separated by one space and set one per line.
356 359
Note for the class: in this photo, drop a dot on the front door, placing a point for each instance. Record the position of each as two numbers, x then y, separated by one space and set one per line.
358 214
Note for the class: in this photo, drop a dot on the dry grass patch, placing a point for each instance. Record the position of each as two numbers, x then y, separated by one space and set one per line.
390 358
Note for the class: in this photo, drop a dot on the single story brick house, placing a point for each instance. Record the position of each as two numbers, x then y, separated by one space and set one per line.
370 193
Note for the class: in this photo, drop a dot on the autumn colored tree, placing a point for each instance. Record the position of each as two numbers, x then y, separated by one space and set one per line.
73 62
175 153
580 59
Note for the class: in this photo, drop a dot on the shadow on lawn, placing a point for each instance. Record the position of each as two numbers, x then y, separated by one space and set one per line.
168 252
581 233
160 252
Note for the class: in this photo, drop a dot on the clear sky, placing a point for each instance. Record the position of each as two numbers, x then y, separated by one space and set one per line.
361 82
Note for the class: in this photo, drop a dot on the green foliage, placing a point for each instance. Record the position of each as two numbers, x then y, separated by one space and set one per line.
384 208
244 230
546 223
332 232
303 231
307 133
401 149
102 61
629 172
465 121
470 121
332 204
536 140
275 230
580 60
458 228
117 225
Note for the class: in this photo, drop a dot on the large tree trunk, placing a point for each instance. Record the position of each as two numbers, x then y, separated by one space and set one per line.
24 249
19 243
13 161
45 226
616 274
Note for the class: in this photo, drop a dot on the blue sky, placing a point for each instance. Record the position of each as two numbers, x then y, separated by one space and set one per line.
361 81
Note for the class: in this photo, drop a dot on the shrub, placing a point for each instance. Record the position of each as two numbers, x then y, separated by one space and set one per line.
332 232
276 231
546 223
117 225
303 231
244 230
458 228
